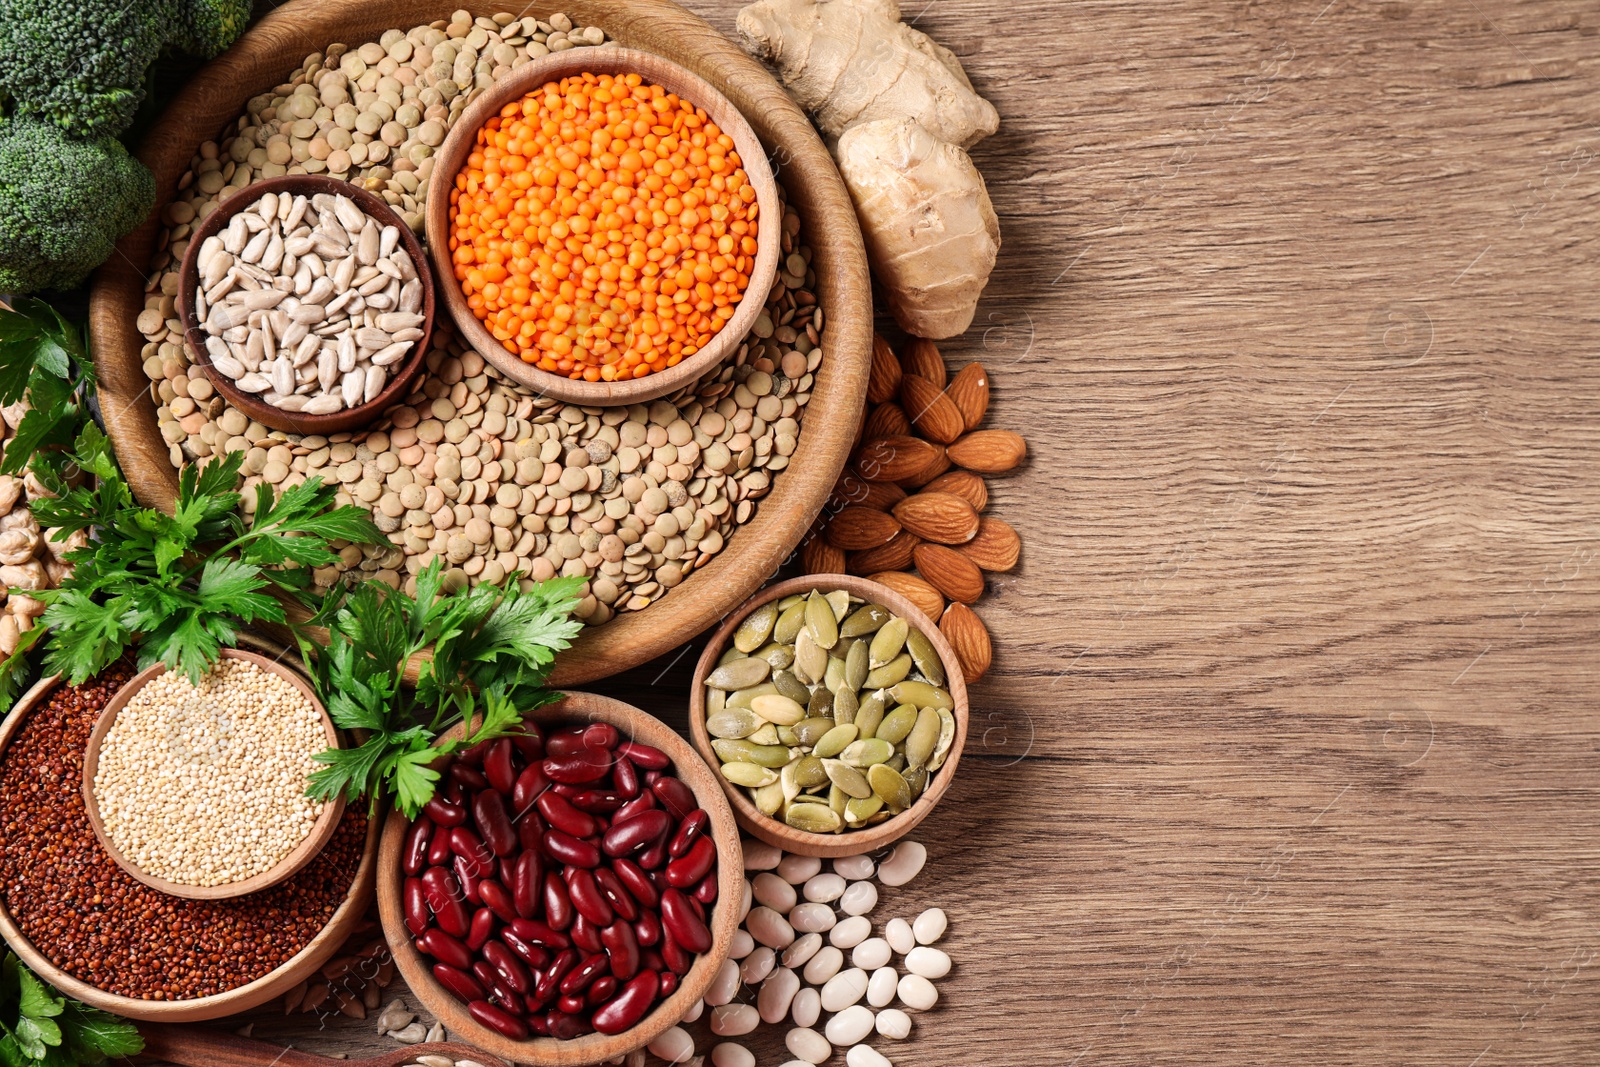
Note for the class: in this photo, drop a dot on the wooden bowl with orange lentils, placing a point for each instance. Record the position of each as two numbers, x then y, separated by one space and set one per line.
612 228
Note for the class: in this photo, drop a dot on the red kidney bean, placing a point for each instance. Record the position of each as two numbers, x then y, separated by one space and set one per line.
498 1019
473 757
538 933
650 778
550 981
675 956
527 877
418 917
706 891
565 1027
622 948
583 766
695 906
586 935
645 801
630 835
625 776
559 812
600 735
466 875
598 801
443 813
494 823
647 929
669 983
459 982
444 948
578 979
675 797
616 895
530 831
468 777
439 848
498 765
499 991
681 921
529 741
507 965
497 899
655 854
564 848
634 879
564 742
483 926
568 789
629 1006
603 989
693 825
537 1024
415 851
445 900
534 956
652 759
557 904
470 847
453 793
587 898
572 1004
684 873
530 783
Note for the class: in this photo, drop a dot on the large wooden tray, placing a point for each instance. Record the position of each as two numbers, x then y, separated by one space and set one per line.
281 40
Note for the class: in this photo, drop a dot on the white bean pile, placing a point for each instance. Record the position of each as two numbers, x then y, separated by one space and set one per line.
801 926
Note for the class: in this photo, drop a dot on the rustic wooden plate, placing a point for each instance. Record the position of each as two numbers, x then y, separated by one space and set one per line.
452 156
405 374
591 1048
282 40
851 842
301 966
302 854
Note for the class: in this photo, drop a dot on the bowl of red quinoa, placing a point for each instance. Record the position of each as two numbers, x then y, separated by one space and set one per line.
98 935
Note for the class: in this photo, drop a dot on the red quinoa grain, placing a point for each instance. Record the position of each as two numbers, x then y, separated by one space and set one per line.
99 925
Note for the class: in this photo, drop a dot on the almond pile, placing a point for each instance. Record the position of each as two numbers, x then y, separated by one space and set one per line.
907 512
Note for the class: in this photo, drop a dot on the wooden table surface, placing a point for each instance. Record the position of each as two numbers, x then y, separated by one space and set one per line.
1290 751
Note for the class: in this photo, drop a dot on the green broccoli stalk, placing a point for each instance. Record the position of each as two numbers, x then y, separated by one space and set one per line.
63 204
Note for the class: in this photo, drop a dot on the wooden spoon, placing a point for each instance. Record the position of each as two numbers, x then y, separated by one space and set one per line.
194 1046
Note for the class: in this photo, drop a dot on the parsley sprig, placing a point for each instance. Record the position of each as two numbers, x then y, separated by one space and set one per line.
43 358
39 1027
180 583
493 647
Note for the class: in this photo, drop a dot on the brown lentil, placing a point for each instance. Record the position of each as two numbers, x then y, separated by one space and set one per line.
99 925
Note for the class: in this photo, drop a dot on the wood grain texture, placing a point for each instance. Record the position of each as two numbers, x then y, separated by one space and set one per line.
1289 752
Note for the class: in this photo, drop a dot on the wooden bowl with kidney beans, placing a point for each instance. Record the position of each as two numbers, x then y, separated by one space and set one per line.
570 892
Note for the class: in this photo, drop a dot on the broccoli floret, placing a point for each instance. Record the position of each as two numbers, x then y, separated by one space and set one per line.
207 27
64 203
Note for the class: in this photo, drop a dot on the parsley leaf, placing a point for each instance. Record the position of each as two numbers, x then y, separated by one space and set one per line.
42 359
41 1028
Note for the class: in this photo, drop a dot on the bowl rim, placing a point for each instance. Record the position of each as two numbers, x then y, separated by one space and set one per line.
850 842
634 723
322 830
657 69
347 419
318 951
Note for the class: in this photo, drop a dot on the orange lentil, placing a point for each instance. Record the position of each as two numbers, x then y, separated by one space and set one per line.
603 228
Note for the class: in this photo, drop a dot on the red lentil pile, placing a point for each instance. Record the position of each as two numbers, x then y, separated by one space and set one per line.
102 927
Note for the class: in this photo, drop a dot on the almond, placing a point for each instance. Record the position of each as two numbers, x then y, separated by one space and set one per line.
939 517
852 489
970 638
887 420
969 391
921 357
988 451
964 484
948 571
940 464
819 557
931 412
927 599
896 458
883 380
893 555
858 528
996 546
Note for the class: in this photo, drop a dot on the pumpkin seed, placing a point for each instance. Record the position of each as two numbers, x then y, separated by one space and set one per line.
808 732
864 620
890 786
750 752
732 723
789 622
888 641
897 724
743 697
837 798
813 818
716 700
925 656
749 775
788 783
791 600
916 780
768 799
858 811
889 674
856 664
866 752
786 683
868 716
847 778
821 621
841 649
779 709
756 628
845 703
923 738
820 704
766 734
834 741
833 677
729 656
947 738
810 658
810 772
896 762
839 601
780 656
922 694
740 674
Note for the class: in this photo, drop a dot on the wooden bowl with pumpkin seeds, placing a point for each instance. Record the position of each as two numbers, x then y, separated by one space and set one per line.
835 711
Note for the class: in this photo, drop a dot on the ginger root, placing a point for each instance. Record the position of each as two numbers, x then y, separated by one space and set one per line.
848 62
929 227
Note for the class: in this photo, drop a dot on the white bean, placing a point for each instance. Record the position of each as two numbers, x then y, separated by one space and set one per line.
928 962
854 867
746 898
734 1020
930 926
894 1024
673 1045
796 869
903 863
697 1009
776 995
844 989
808 1044
851 932
728 1054
724 984
824 965
802 950
806 1008
851 1025
812 918
757 966
769 928
741 945
871 954
773 891
824 888
917 993
881 987
899 935
866 1056
859 899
